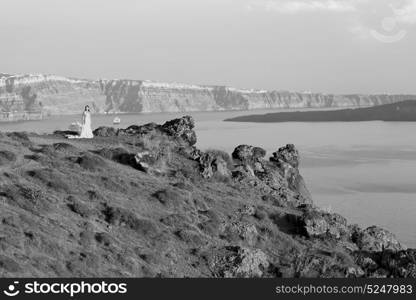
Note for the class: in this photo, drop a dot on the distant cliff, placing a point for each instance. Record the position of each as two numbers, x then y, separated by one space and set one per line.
51 94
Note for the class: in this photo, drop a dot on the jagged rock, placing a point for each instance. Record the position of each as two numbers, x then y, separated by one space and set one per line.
219 165
287 154
379 273
367 263
245 231
145 161
272 177
183 128
321 224
105 131
388 263
311 264
65 133
205 165
140 130
293 195
243 171
276 200
376 239
354 272
348 245
191 152
287 160
210 164
239 262
400 263
258 167
178 128
299 185
247 153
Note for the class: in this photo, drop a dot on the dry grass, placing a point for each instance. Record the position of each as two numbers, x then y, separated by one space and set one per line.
66 211
224 155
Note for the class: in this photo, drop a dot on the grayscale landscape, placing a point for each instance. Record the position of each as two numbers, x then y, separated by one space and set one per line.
253 138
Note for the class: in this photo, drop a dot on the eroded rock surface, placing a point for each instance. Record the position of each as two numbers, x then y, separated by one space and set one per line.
237 262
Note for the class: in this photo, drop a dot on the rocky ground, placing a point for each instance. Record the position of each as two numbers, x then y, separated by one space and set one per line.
145 202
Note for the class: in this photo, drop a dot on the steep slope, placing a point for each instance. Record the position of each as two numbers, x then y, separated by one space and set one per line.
143 201
49 94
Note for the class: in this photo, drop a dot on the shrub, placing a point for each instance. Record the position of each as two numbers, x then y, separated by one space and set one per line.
224 155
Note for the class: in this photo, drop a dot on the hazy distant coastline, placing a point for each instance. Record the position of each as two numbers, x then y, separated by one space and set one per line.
44 95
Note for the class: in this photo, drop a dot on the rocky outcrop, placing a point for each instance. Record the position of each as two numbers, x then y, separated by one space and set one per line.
376 239
105 131
211 165
388 263
287 155
146 162
237 262
246 153
280 175
181 128
325 225
287 159
176 134
34 96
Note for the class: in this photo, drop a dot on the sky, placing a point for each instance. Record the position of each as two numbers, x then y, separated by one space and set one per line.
329 46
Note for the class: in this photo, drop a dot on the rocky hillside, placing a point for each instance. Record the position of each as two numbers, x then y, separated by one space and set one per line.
144 201
61 95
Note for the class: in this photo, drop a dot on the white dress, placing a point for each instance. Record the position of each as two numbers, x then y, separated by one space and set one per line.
86 132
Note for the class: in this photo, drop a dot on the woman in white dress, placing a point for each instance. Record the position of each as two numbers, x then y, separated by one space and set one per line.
86 132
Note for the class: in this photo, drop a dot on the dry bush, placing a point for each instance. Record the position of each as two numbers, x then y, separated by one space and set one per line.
224 155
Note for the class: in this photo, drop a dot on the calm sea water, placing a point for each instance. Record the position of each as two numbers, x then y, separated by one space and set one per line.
363 170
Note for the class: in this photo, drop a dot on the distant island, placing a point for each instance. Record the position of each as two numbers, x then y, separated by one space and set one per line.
404 111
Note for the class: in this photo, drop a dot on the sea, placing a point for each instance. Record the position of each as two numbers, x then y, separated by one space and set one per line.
366 171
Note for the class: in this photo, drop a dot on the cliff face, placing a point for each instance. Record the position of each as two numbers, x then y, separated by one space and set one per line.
60 95
49 94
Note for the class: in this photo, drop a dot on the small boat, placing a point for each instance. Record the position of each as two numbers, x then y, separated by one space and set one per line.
116 120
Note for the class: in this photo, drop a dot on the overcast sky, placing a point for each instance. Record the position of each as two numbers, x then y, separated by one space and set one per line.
335 46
